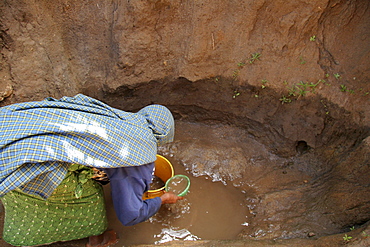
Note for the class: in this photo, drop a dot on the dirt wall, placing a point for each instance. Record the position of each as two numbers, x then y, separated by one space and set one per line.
290 72
65 47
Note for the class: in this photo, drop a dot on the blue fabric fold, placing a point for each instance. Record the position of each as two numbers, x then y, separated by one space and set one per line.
38 140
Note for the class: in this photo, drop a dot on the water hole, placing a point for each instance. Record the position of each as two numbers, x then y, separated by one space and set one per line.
201 215
212 209
227 168
249 181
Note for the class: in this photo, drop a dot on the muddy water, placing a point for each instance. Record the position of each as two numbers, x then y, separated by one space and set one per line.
212 209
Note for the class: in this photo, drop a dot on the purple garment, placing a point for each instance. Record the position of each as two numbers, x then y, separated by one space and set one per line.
128 185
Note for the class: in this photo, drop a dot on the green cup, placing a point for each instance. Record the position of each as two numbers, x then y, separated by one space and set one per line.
179 184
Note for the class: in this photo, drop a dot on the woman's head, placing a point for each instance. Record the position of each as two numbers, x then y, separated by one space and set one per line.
160 121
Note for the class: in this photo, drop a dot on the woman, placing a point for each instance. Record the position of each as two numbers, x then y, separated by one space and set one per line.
49 152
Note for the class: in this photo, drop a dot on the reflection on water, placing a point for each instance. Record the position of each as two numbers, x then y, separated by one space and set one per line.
171 234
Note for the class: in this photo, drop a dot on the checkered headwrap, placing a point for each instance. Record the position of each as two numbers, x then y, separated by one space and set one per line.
38 140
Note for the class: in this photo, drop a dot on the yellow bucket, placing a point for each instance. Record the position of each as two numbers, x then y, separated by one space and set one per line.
163 170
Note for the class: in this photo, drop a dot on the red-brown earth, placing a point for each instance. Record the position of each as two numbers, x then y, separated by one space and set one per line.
293 75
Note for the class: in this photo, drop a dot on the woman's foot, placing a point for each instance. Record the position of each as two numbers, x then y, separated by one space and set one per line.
103 240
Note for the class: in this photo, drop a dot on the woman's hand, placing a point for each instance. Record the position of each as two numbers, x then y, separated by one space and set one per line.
170 197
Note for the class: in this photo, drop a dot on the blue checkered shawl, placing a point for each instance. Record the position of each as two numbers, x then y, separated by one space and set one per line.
38 140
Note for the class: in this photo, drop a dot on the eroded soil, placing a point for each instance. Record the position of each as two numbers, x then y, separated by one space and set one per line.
289 130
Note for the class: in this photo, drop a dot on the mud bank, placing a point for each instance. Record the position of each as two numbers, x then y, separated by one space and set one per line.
272 96
300 160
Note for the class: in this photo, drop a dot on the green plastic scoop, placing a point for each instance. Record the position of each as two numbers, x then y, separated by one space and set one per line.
178 184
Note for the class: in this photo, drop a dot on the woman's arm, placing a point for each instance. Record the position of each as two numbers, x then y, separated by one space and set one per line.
128 185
